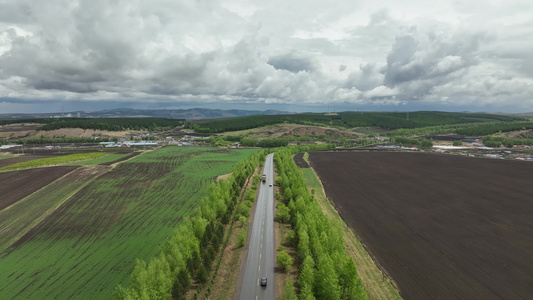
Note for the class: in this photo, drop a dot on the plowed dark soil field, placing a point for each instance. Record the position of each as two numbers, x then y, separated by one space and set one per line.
16 185
443 227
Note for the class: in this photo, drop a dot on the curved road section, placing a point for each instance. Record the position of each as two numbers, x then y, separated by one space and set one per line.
260 260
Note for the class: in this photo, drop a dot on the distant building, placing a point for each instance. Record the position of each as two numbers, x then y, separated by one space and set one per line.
9 146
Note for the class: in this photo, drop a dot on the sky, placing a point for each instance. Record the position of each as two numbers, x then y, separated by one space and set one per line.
298 55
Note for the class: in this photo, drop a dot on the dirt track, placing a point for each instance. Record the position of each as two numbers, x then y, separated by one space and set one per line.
443 227
300 161
16 185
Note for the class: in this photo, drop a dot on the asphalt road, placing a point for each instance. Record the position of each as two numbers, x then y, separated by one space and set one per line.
260 260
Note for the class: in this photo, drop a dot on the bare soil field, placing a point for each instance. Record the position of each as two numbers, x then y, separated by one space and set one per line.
30 130
16 185
442 227
300 161
16 131
79 132
19 127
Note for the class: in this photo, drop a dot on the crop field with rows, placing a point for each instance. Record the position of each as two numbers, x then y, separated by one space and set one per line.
88 245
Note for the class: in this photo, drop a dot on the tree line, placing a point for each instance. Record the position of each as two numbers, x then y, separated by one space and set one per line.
325 271
61 140
487 129
491 141
114 124
109 124
412 142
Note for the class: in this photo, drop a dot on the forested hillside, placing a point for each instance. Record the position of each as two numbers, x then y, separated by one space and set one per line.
110 124
388 120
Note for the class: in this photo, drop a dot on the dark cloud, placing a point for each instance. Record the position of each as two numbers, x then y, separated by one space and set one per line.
401 64
366 78
15 12
292 62
420 61
63 86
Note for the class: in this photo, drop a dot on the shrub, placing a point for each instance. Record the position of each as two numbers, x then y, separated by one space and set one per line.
284 260
241 239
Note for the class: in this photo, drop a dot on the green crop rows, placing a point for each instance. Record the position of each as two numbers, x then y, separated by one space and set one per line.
26 213
89 244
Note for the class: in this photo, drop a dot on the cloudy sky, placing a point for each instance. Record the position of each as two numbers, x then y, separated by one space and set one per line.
299 55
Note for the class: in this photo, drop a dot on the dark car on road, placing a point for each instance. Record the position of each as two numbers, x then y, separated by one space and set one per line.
263 281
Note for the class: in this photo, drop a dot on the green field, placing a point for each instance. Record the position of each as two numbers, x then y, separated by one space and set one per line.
89 244
54 160
35 207
100 160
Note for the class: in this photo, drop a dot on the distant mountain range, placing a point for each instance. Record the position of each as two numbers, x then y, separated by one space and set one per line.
189 114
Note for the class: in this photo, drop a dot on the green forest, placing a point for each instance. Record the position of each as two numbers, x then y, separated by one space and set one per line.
388 120
109 124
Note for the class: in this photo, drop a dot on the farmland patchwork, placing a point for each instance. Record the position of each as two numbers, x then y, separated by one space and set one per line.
88 244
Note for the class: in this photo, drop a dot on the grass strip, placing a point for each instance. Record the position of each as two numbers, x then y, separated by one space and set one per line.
100 160
54 160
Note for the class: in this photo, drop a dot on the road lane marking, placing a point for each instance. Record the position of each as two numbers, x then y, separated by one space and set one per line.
259 269
261 245
257 284
259 255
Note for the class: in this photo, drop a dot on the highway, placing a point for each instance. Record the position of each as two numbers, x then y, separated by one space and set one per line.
260 259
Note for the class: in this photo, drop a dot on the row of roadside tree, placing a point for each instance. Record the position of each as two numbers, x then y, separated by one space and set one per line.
325 271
